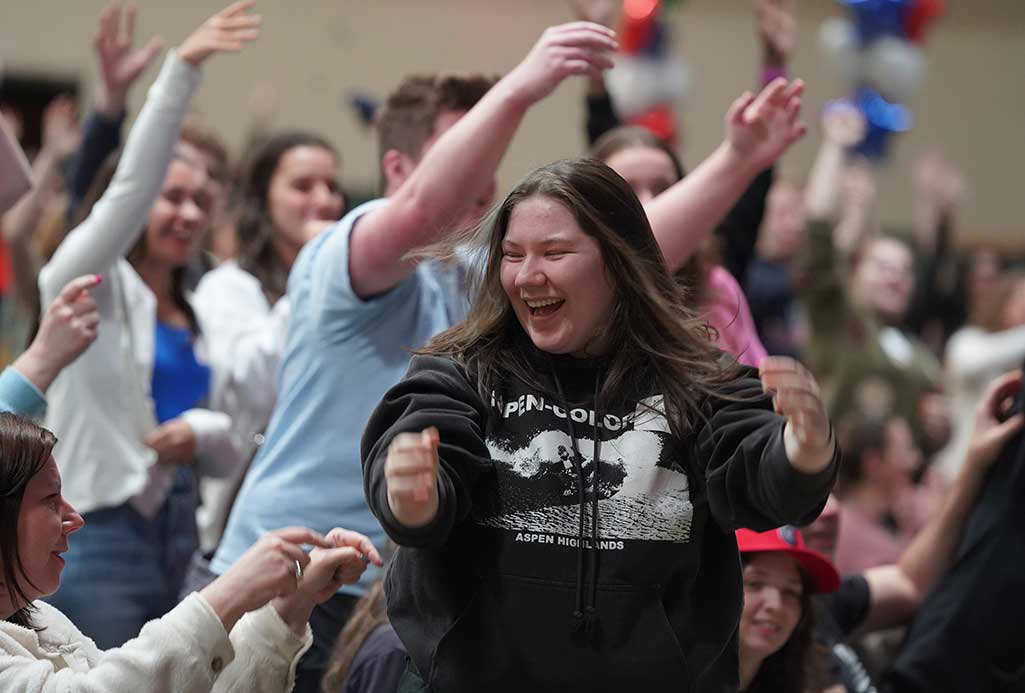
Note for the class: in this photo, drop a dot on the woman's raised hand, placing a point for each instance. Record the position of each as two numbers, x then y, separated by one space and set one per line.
228 31
67 329
411 474
121 63
760 128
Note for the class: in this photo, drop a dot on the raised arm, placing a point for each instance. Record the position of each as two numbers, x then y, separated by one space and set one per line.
842 127
758 130
120 66
898 590
118 218
600 112
776 28
243 632
61 136
823 290
462 163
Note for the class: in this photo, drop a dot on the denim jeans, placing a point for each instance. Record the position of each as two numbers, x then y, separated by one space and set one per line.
124 570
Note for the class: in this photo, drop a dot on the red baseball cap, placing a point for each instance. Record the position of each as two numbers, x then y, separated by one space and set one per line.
820 570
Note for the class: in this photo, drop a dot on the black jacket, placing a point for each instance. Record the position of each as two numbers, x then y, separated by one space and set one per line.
969 634
511 588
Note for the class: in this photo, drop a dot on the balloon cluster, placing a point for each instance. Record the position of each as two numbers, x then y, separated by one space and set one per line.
877 50
647 78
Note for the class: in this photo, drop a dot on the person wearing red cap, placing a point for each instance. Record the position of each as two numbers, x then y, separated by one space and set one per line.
777 650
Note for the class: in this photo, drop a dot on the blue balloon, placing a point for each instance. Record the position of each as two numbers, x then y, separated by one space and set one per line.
883 118
657 44
875 18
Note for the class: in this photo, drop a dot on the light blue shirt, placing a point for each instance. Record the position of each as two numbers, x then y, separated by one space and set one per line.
19 396
342 353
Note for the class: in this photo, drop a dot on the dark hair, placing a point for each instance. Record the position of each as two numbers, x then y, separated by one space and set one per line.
409 116
653 336
693 275
859 434
630 136
99 186
24 449
988 313
256 232
206 142
369 613
798 666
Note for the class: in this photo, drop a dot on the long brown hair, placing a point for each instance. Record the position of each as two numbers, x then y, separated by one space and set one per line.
138 250
653 336
369 613
256 233
24 449
800 665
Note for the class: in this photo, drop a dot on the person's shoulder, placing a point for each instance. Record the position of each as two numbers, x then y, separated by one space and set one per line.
53 628
226 275
440 363
344 226
320 259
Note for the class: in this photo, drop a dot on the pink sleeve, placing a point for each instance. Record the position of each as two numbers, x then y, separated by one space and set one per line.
727 311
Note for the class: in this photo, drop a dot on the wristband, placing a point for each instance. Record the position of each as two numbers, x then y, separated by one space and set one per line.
771 73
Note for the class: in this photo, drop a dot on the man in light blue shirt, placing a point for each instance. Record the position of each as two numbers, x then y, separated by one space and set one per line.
359 304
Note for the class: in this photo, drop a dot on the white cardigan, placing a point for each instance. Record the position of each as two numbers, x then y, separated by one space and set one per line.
248 335
101 406
186 651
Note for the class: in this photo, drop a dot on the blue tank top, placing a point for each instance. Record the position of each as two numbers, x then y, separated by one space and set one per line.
180 382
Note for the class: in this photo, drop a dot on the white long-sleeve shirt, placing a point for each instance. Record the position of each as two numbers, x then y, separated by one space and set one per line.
248 335
186 651
101 406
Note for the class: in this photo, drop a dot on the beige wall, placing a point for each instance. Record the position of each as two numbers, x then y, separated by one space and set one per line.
971 106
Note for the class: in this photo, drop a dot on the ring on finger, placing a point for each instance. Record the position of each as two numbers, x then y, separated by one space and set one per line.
298 571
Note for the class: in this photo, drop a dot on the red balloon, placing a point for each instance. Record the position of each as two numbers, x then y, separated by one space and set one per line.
660 120
639 17
921 14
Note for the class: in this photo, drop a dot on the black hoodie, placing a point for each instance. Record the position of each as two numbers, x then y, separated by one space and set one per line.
511 588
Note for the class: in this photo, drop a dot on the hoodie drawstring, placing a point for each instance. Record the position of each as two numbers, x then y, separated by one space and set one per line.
585 618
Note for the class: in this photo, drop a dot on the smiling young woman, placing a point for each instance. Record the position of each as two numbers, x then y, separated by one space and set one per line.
777 649
575 449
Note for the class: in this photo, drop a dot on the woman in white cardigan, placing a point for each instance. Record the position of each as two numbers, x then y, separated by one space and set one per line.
290 190
132 407
244 632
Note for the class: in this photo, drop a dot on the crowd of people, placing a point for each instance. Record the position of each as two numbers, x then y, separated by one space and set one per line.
631 425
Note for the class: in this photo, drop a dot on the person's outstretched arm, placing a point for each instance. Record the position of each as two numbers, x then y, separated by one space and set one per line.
119 217
197 646
67 329
462 163
120 66
20 225
897 590
758 130
776 28
824 294
768 446
422 451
